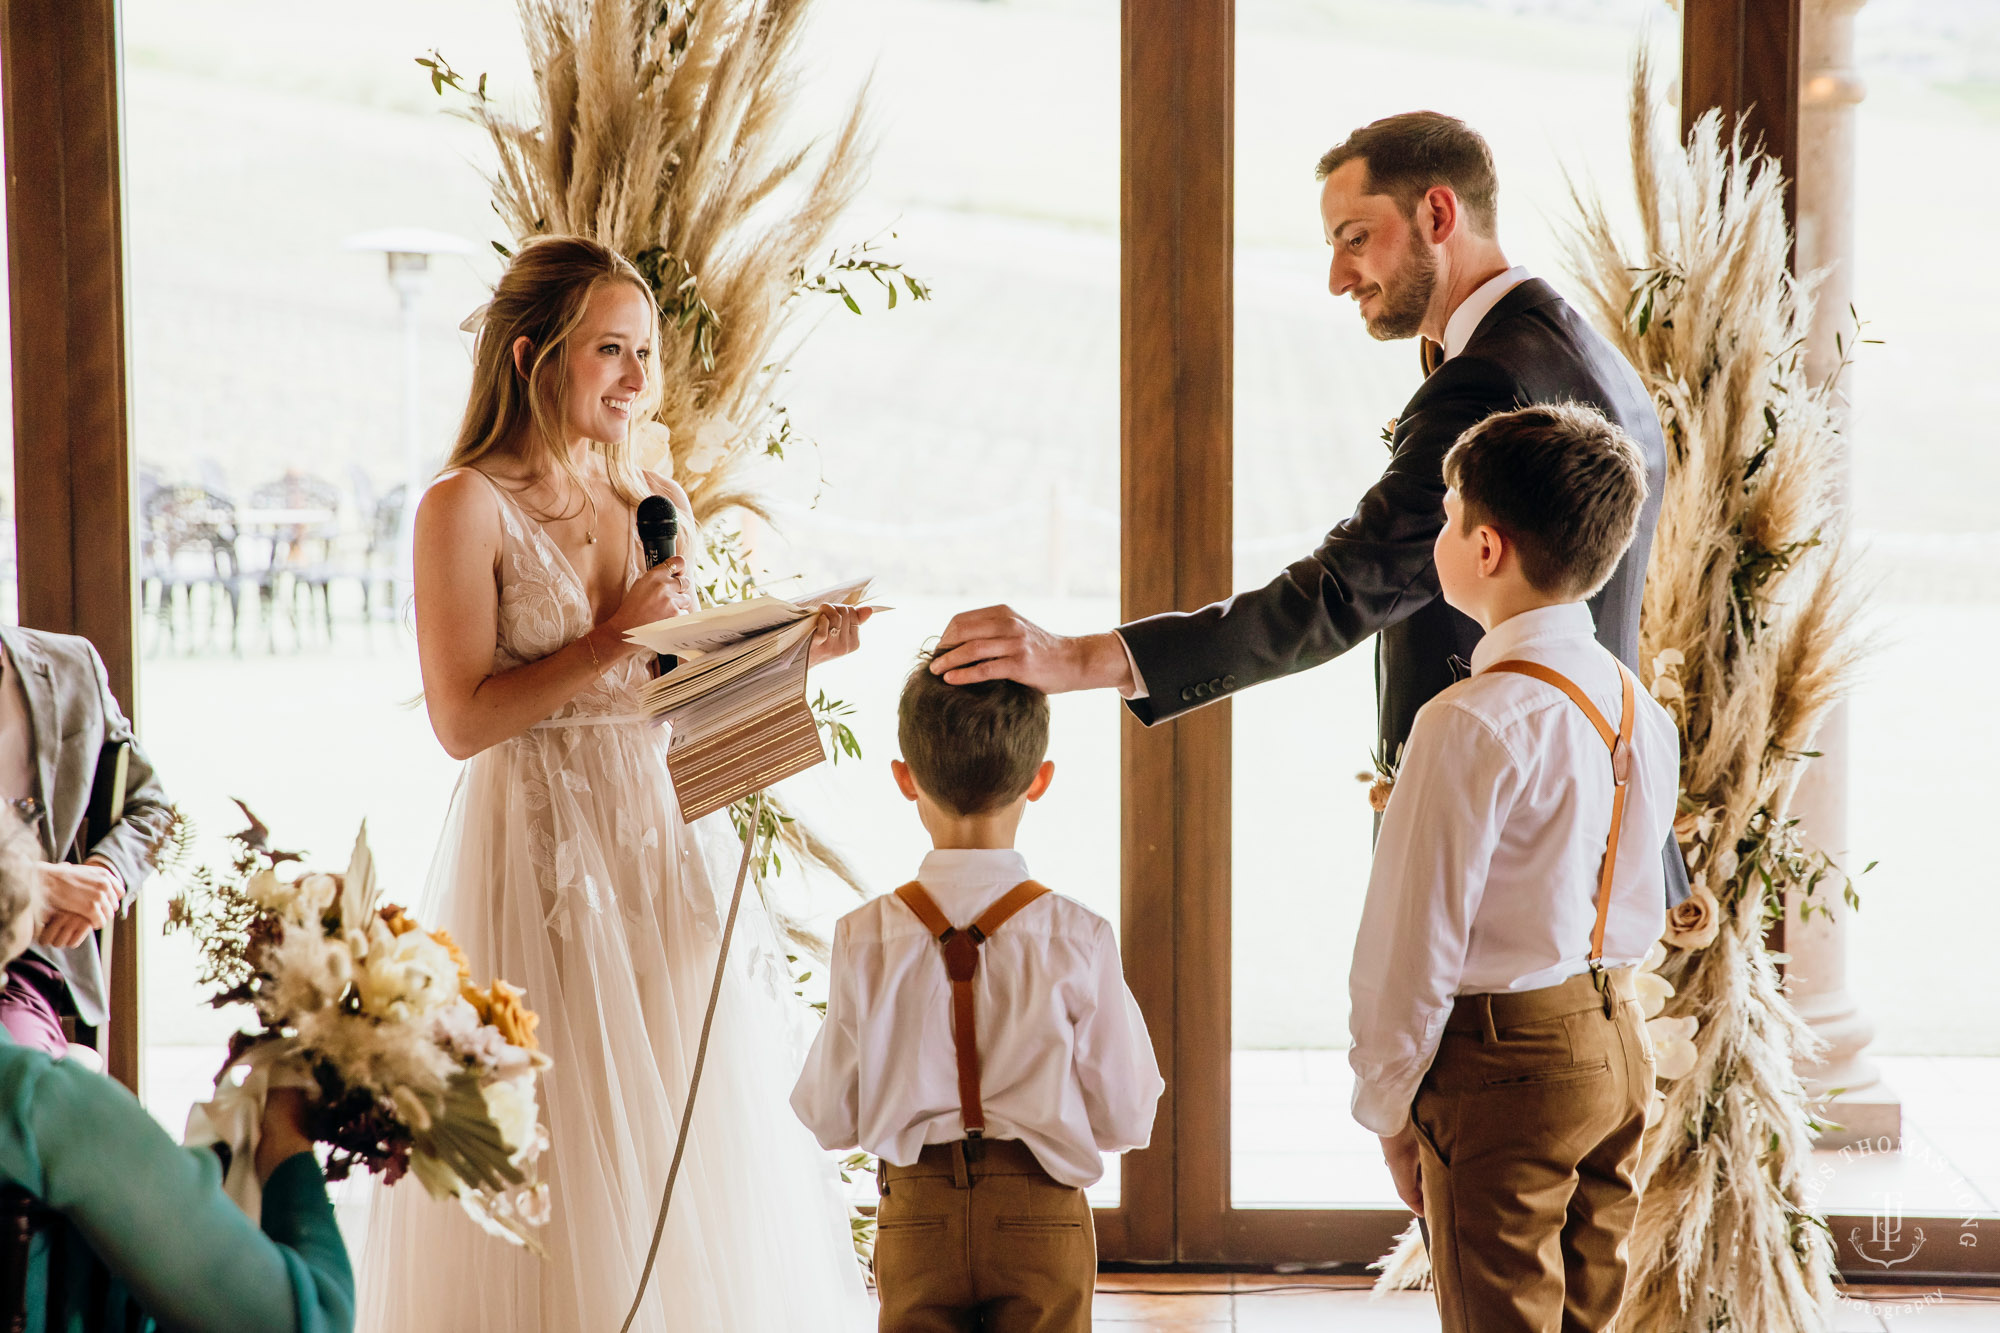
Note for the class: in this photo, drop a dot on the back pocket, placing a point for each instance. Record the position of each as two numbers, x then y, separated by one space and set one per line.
1552 1074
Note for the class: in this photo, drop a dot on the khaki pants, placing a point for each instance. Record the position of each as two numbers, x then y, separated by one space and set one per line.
1528 1125
982 1241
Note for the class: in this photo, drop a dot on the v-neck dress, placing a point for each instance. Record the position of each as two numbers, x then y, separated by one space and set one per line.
564 868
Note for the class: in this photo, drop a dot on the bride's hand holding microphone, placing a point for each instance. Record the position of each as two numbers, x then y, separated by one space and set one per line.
661 593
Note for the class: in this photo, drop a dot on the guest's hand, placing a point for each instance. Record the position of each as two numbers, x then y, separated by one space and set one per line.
1400 1153
660 593
997 643
838 632
283 1133
75 901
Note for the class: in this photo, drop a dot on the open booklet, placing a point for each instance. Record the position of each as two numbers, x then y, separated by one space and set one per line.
737 700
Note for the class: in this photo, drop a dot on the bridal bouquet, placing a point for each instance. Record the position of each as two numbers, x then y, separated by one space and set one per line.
409 1067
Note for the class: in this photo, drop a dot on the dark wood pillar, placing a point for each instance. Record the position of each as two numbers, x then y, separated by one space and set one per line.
59 76
1177 313
1742 56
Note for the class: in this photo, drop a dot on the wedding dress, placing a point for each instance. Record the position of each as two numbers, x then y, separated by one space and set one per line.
565 869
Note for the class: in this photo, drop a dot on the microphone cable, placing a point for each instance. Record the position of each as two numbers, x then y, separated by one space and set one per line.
700 1057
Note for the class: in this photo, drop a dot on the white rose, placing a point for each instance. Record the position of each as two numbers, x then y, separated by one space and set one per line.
405 976
313 895
510 1104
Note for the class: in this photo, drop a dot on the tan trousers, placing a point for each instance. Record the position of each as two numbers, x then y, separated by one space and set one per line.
1528 1125
984 1242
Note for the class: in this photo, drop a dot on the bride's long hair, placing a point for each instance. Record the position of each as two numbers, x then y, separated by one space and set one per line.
542 297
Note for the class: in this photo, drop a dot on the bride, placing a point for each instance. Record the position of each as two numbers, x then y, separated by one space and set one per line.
564 867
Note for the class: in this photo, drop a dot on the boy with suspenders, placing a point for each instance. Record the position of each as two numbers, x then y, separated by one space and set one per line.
1498 1050
979 1040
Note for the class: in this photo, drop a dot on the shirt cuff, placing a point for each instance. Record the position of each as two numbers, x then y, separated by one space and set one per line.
1381 1107
1138 690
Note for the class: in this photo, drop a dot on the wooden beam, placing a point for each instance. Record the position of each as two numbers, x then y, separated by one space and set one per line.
1177 256
59 78
1742 57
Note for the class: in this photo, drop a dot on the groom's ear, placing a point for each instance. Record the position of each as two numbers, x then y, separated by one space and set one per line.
905 783
1440 213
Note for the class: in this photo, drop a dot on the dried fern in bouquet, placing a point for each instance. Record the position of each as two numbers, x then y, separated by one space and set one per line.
1748 636
659 129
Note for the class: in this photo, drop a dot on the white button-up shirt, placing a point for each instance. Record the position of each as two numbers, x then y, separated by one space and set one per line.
1486 867
1464 321
1065 1064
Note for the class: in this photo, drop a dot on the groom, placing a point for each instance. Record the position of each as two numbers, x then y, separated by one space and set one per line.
1409 209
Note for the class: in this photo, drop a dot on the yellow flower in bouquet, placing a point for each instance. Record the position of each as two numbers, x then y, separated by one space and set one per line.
514 1020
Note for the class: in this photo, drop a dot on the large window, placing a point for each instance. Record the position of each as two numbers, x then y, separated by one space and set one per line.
269 374
1925 401
1548 89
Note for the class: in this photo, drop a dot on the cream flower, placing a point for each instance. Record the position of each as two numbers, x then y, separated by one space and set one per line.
405 976
312 896
268 891
1656 1108
1672 1040
511 1106
1654 991
1693 923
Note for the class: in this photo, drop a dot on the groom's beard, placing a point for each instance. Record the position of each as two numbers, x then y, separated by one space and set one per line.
1406 296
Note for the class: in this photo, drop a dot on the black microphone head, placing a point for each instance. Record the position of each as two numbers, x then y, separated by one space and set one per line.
658 526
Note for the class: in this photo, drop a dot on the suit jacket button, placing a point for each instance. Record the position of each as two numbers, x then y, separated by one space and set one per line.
1187 695
1201 690
1215 686
1229 682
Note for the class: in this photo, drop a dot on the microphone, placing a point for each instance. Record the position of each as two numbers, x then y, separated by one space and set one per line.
659 526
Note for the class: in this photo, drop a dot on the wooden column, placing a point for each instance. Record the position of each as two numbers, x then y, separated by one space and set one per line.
1742 56
59 76
1177 314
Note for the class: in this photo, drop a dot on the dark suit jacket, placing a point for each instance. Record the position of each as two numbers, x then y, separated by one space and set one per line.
73 715
1374 574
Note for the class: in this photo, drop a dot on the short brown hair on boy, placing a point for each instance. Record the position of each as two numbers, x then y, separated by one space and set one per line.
971 748
1562 482
1409 154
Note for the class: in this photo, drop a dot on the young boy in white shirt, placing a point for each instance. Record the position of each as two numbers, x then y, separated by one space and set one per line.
979 1039
1498 1050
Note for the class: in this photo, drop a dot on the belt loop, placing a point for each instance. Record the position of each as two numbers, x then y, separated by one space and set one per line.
881 1177
1487 1032
961 1177
1602 980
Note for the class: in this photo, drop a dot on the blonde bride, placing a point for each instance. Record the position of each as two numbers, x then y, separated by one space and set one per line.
565 867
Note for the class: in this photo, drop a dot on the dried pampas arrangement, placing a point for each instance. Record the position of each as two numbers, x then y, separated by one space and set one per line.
1748 636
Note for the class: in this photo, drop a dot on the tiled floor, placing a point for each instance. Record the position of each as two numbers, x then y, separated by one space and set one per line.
1255 1303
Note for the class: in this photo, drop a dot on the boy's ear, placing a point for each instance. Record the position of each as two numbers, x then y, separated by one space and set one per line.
1043 777
905 783
1493 548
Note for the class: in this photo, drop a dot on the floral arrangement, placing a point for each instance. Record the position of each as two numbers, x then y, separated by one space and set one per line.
410 1067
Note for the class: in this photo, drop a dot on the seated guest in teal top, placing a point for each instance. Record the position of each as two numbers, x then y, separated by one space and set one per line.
138 1233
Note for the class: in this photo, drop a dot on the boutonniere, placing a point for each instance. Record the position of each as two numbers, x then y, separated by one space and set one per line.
1381 779
1389 435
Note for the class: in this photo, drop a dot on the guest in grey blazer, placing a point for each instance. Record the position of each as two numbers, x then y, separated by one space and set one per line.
57 716
1409 205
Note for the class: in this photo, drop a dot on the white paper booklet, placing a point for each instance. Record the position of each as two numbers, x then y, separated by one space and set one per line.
705 631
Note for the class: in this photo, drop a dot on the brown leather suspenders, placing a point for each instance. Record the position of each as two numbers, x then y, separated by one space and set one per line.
1619 742
961 961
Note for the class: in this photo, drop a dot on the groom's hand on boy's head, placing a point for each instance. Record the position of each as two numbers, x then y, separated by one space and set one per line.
998 643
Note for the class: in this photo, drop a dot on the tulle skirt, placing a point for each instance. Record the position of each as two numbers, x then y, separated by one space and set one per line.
565 869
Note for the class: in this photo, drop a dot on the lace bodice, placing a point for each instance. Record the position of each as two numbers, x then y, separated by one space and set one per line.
544 607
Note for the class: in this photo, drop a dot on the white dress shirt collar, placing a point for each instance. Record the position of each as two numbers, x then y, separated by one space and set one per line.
1464 321
1570 620
965 881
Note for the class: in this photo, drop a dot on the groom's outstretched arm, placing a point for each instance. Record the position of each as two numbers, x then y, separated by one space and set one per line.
1373 569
